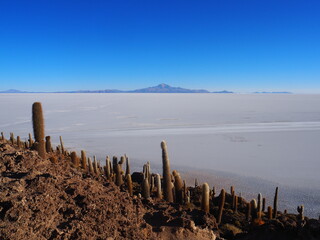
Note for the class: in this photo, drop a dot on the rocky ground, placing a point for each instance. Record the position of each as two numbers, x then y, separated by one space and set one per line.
44 200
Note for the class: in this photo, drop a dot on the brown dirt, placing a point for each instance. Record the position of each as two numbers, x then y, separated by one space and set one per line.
43 200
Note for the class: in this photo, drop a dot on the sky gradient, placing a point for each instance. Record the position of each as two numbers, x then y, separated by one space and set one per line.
242 46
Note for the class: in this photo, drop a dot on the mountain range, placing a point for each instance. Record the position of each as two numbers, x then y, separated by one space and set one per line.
161 88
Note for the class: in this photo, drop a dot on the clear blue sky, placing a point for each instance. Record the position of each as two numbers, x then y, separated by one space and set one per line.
239 45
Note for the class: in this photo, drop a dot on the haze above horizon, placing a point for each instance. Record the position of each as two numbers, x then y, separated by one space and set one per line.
240 46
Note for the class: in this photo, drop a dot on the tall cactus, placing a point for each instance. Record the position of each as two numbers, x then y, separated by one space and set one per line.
275 204
2 136
221 204
205 198
167 185
38 128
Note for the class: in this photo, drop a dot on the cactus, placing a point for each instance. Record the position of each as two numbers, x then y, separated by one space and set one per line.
232 190
62 145
38 128
259 208
107 168
253 205
235 203
167 185
2 136
275 204
18 142
248 211
95 166
178 186
84 160
158 186
48 144
127 166
145 189
74 159
91 171
30 140
269 212
12 138
300 210
213 192
118 172
114 163
205 198
196 183
188 197
221 204
129 184
263 204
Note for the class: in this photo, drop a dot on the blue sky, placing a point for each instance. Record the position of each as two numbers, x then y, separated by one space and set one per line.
239 45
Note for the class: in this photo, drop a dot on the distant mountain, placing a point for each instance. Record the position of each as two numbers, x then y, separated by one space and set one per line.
164 88
273 92
161 88
12 91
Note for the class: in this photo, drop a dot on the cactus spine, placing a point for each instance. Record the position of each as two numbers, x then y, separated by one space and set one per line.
48 144
221 204
205 198
38 128
275 204
167 185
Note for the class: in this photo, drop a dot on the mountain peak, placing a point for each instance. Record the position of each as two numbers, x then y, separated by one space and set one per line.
163 85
